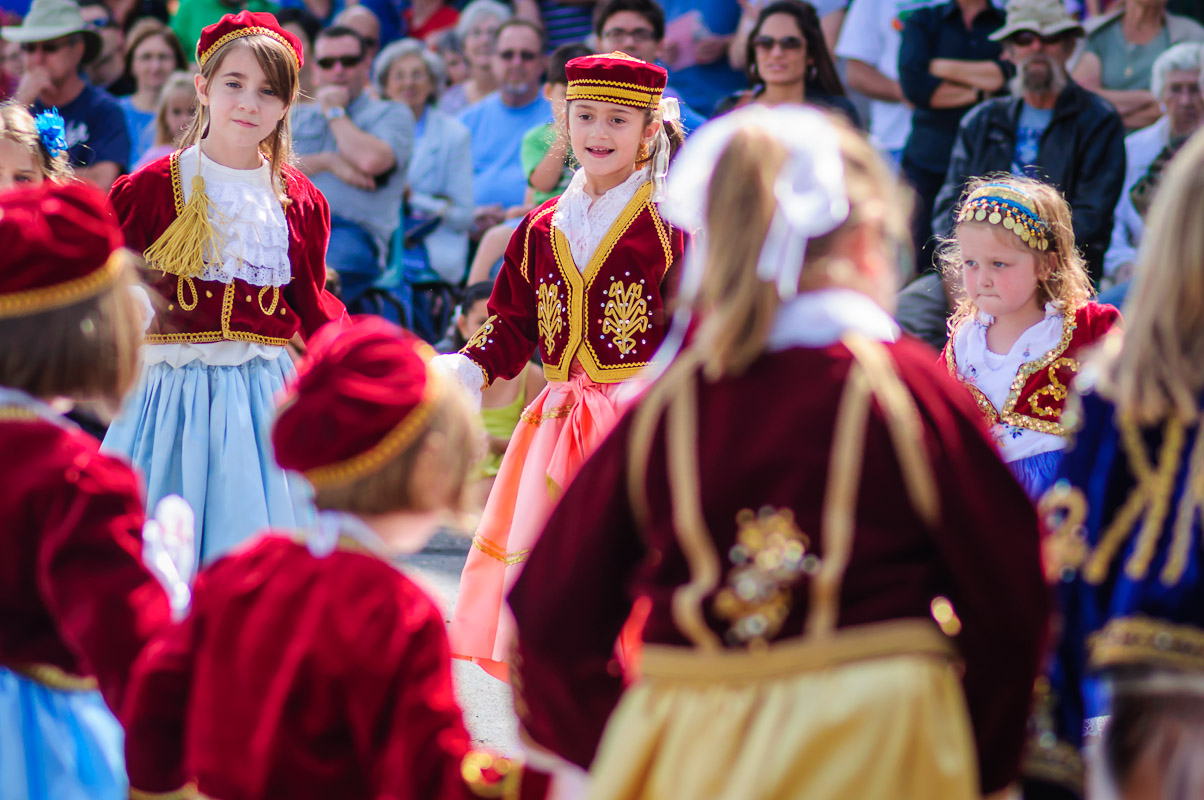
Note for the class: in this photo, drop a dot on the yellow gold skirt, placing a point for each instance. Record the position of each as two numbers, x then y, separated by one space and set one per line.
870 712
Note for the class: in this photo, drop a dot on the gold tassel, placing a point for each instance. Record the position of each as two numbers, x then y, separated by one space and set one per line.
183 247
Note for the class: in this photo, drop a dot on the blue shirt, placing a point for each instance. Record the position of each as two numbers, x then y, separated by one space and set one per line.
96 129
1029 130
497 136
138 123
704 85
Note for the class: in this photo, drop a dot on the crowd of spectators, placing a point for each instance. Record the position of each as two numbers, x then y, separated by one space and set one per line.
431 125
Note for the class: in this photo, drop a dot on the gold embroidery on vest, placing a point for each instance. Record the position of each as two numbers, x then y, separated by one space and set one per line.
1056 389
181 281
769 556
482 335
626 315
550 321
270 310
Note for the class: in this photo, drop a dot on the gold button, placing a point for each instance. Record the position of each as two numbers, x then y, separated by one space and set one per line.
171 307
248 298
282 312
208 293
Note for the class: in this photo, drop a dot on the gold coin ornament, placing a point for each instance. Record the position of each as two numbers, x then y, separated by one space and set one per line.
980 215
994 218
1009 223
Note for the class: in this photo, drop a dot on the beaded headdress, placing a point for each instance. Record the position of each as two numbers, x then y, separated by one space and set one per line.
1001 204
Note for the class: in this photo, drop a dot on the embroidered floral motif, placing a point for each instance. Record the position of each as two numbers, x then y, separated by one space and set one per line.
482 335
769 557
1064 509
626 315
1056 389
550 320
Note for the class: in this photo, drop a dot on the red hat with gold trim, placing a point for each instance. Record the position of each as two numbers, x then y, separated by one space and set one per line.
616 78
245 23
362 395
59 244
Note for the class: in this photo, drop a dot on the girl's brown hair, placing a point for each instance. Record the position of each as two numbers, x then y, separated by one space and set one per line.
17 125
452 438
177 82
1158 371
85 351
1061 270
279 65
148 28
737 308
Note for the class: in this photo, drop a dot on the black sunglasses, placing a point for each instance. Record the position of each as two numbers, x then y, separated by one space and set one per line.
347 61
47 47
767 43
525 55
1025 38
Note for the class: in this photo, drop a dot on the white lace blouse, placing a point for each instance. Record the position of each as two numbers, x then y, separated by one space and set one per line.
993 374
248 213
585 221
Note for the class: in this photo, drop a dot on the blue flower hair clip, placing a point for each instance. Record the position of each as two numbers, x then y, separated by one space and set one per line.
52 131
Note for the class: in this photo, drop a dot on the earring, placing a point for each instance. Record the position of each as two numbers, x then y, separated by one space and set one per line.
644 153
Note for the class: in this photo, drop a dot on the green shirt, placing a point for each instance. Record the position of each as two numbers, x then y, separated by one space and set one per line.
536 144
194 15
1125 66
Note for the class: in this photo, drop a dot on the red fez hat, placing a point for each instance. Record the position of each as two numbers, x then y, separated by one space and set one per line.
616 78
361 396
57 247
245 23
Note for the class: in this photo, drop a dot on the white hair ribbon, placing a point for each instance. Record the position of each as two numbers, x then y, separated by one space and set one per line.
669 110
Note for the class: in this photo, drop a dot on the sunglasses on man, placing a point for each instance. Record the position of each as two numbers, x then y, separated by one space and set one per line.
348 62
527 56
49 48
767 43
1026 38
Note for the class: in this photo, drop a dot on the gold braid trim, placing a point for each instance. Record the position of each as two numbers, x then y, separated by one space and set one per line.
186 792
201 58
48 298
16 414
1058 763
498 553
182 247
1145 641
591 90
396 440
532 418
56 678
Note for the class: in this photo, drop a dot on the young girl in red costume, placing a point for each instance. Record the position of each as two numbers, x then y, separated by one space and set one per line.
1017 337
235 241
76 603
585 280
310 665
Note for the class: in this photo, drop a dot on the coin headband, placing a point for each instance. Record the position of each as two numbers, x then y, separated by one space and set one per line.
1003 205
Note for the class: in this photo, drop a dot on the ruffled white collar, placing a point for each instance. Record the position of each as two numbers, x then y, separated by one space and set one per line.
820 318
585 221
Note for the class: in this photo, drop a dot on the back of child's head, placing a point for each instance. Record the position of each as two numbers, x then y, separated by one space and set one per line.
278 53
43 139
1159 370
372 428
177 86
475 293
1032 217
69 324
561 56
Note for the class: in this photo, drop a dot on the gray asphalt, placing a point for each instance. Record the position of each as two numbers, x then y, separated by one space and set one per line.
488 709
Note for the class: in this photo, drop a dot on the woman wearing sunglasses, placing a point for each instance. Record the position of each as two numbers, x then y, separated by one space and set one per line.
789 62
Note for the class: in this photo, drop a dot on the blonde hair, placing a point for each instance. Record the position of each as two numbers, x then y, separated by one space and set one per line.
452 437
176 82
86 351
1158 372
737 307
1061 270
17 125
279 65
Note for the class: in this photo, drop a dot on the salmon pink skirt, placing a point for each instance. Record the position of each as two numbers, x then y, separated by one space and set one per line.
555 435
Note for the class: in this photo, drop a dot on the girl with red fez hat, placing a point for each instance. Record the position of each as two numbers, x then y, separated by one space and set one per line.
310 665
845 598
235 243
76 603
586 281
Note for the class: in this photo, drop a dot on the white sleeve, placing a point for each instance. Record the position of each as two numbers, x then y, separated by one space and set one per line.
859 38
462 371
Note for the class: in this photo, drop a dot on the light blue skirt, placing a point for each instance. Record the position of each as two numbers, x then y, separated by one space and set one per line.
58 745
1037 472
204 432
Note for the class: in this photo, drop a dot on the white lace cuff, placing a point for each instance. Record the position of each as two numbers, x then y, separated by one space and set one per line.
462 371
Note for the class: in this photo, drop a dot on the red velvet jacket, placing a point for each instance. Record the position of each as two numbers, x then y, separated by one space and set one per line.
610 314
1038 394
983 554
76 603
301 677
148 201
